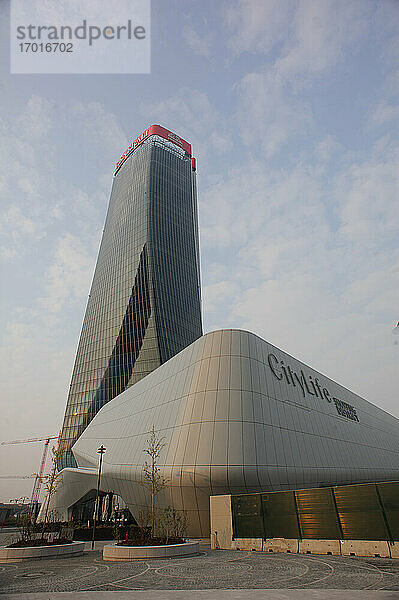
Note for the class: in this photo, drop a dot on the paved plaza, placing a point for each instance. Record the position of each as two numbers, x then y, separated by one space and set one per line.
226 594
252 575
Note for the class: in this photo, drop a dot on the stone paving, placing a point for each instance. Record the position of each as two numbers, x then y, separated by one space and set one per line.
212 595
211 570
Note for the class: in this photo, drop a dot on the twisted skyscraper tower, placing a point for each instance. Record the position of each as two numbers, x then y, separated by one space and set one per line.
144 305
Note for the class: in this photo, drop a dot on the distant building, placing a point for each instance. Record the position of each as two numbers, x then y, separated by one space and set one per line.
9 511
144 305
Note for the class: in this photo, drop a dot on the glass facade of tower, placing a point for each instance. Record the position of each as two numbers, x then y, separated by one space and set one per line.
144 305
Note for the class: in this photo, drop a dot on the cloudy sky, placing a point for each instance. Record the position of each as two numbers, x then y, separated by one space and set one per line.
292 110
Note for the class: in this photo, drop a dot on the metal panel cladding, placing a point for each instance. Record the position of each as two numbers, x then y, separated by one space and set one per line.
144 304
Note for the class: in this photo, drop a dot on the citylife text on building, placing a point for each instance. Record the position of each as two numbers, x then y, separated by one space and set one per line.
238 415
309 386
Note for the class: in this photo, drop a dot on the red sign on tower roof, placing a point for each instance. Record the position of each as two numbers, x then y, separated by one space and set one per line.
154 130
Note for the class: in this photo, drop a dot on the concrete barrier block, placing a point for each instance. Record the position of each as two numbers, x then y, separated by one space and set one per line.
247 544
280 545
364 548
394 549
319 547
221 522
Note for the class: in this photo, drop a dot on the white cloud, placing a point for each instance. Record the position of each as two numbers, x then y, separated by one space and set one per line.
392 82
17 230
368 192
7 254
33 175
191 108
385 112
253 203
302 41
322 33
17 223
268 114
309 36
100 129
68 277
199 44
327 148
217 294
37 119
37 368
257 25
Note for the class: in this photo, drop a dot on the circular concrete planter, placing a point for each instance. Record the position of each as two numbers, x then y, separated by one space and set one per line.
114 552
10 555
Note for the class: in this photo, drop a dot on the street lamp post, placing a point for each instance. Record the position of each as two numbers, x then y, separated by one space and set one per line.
100 451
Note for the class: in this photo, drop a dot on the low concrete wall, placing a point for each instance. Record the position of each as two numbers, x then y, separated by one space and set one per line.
333 547
280 545
319 547
247 544
10 555
221 522
113 552
364 548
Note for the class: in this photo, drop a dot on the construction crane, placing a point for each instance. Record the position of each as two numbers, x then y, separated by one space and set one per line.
38 478
18 476
40 439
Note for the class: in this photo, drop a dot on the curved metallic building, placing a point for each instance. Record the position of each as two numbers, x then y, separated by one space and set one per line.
238 415
144 305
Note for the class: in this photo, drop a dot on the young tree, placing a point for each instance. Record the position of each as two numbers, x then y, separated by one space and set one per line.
53 479
172 523
152 478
